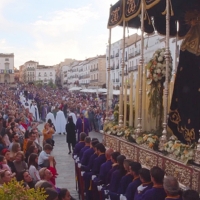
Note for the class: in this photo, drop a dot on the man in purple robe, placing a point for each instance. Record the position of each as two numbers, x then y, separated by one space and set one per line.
87 157
157 191
132 187
145 178
79 145
172 189
190 194
86 147
82 125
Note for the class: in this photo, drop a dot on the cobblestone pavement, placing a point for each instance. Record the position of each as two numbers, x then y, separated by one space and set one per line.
65 163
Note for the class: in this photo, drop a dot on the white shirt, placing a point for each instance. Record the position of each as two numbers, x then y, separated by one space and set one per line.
34 173
42 157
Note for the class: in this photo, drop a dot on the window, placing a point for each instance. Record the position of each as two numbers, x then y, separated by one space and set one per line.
7 66
45 74
39 74
7 59
50 73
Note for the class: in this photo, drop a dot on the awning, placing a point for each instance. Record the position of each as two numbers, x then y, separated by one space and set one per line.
75 89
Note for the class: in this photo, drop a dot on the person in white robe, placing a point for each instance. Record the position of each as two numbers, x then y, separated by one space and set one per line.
34 111
60 122
51 117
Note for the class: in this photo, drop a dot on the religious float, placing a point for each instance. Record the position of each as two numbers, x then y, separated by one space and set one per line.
174 145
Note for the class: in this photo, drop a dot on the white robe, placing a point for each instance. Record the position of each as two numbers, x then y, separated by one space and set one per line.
50 116
60 122
32 110
73 117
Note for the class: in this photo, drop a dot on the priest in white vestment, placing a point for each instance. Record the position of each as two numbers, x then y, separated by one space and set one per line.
34 111
60 122
51 117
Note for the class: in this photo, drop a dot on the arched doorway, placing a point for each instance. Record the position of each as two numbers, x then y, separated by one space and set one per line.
7 78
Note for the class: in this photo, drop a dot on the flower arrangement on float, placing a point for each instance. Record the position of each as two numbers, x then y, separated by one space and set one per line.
156 73
179 151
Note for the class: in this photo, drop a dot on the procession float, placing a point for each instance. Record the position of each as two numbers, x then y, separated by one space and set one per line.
174 105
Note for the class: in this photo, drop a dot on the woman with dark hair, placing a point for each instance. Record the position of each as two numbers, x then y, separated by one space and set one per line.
51 124
71 133
118 174
25 176
64 195
33 167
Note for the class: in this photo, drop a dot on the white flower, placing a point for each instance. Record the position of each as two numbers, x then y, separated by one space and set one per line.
155 79
160 58
156 55
163 72
159 65
162 53
158 71
155 75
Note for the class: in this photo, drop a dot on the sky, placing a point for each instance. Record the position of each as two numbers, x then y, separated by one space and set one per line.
48 31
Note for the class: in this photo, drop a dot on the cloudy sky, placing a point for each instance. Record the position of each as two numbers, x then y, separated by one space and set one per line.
49 31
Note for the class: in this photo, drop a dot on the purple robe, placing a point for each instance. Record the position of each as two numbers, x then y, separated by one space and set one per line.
125 181
82 125
132 188
78 148
138 195
86 156
89 166
157 193
82 151
108 178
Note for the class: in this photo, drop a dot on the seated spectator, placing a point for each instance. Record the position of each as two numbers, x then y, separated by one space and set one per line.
6 153
51 194
33 167
64 195
171 187
43 159
145 178
15 148
190 195
26 177
80 144
5 177
3 164
20 164
14 139
157 191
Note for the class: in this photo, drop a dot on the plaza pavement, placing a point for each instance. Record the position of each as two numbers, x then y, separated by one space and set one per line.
65 163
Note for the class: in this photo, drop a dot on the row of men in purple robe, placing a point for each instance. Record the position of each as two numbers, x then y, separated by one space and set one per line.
109 175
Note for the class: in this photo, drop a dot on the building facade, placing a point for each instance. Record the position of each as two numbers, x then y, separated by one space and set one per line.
32 72
7 68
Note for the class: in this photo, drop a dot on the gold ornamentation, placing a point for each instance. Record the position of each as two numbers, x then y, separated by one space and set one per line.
147 159
195 180
175 117
128 150
131 6
188 134
115 15
183 174
112 143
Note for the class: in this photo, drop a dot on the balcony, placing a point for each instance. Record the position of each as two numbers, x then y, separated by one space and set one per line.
131 55
84 76
117 67
94 80
112 68
133 68
117 55
80 70
117 80
112 56
93 70
137 53
113 80
125 73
